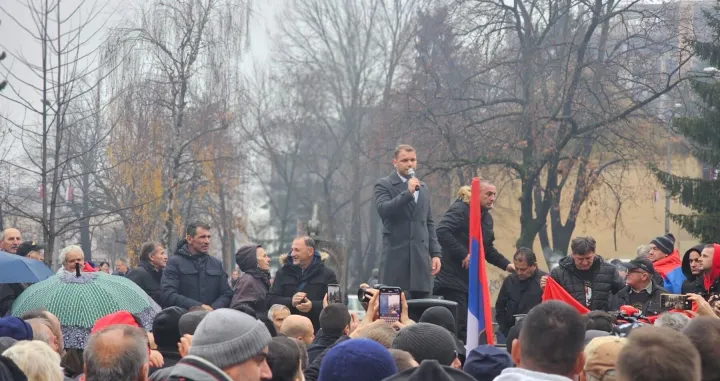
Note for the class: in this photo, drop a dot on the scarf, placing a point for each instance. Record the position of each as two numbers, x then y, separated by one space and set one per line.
666 265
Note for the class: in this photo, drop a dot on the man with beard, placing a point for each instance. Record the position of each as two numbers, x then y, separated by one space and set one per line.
520 292
452 232
192 278
691 268
301 284
708 283
148 274
586 276
10 240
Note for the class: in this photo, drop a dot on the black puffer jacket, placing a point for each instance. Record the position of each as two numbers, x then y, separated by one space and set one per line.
148 278
689 285
605 281
452 232
192 280
291 279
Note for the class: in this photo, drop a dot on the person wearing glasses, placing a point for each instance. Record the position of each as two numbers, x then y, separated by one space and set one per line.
586 276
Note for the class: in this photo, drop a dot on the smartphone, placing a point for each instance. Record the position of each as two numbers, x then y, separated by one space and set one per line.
390 304
675 302
333 293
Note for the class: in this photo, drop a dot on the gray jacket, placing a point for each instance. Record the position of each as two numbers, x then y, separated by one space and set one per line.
409 238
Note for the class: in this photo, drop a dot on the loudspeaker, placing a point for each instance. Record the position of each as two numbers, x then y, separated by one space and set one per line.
416 307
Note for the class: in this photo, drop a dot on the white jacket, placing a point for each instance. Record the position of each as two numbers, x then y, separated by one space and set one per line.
519 374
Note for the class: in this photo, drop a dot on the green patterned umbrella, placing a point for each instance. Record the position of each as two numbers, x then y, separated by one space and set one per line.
78 301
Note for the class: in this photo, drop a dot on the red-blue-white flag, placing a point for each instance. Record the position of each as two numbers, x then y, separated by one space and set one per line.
479 320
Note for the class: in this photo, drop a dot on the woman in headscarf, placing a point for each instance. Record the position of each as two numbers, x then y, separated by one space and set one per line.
254 282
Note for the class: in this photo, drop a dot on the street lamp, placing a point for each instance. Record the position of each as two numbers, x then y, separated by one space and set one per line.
668 155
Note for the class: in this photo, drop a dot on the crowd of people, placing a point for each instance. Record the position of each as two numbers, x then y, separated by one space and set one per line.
258 326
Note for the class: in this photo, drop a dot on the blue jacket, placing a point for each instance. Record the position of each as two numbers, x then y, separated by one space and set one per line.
192 280
674 280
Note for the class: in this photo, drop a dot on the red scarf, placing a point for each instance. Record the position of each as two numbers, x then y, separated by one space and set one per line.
554 291
666 265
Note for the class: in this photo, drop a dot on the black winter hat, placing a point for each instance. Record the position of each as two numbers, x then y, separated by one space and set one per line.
246 257
431 370
441 316
666 243
426 341
166 329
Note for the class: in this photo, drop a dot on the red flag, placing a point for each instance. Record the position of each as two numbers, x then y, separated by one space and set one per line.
554 291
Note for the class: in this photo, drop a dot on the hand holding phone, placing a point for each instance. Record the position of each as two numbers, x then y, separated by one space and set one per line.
675 302
390 304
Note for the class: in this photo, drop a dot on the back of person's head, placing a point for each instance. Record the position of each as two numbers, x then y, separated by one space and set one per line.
675 320
227 338
72 362
403 359
297 326
704 333
600 357
551 340
380 333
166 331
486 362
284 359
335 319
440 316
117 352
244 308
658 354
427 342
189 322
42 331
599 321
37 360
357 360
268 324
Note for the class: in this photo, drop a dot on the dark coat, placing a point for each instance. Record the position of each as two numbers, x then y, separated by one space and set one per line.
291 279
312 373
652 306
453 235
689 284
322 342
605 281
8 293
193 280
252 287
409 239
517 297
148 278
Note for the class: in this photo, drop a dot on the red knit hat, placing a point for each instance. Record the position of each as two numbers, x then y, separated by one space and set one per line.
120 317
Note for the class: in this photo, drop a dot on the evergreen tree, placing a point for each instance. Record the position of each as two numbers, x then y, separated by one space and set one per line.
703 133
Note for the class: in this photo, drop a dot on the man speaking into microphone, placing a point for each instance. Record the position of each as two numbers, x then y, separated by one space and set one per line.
411 252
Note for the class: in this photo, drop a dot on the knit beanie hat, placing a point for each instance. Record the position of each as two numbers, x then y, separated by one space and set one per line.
487 362
426 341
165 327
189 322
431 370
16 328
357 360
441 316
666 243
227 337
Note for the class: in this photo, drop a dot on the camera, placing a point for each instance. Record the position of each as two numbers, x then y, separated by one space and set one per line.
364 296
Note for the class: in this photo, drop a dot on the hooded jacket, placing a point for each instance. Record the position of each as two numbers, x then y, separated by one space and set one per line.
148 278
670 269
193 280
252 286
690 279
193 368
708 284
313 281
605 281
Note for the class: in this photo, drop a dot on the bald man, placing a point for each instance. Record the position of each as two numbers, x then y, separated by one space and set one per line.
10 240
298 327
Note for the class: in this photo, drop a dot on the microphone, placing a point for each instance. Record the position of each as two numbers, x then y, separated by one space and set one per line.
411 173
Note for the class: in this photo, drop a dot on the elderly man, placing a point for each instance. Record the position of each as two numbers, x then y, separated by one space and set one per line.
641 291
32 250
277 314
10 240
121 267
55 326
117 352
42 331
69 257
